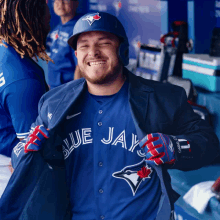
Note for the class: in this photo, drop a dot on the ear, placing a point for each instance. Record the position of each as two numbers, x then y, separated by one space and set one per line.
76 53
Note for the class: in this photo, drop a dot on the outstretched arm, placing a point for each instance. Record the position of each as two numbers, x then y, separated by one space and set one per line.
192 145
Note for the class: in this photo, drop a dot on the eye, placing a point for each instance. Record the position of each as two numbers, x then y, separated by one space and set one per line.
83 46
104 43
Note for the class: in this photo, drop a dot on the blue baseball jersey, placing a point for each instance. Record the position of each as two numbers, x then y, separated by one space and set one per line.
106 169
61 53
22 83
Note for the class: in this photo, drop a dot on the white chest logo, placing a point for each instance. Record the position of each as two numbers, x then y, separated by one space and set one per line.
134 175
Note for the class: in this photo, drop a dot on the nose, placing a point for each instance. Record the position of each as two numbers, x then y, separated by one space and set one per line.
94 51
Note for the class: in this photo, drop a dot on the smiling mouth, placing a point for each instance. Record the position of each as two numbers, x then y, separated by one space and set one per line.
96 63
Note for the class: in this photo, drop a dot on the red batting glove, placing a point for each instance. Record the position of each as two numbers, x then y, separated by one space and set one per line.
36 138
158 148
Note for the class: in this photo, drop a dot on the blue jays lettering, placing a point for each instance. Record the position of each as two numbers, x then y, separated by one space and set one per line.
83 137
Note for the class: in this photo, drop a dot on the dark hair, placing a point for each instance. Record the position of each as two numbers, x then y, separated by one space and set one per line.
22 27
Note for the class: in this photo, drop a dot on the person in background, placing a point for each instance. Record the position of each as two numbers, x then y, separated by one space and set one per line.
57 47
24 26
110 136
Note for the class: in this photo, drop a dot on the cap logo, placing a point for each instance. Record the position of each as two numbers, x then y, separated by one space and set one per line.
92 18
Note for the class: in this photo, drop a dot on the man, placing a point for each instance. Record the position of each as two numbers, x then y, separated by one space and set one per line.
118 134
58 49
22 81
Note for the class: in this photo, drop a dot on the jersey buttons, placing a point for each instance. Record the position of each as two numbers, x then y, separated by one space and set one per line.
100 164
101 191
102 217
99 123
100 112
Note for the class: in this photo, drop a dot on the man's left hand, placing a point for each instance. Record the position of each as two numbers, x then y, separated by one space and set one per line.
158 148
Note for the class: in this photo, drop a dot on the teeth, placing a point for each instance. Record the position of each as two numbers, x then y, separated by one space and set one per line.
97 63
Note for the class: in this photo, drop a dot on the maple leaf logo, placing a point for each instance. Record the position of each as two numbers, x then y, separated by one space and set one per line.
144 172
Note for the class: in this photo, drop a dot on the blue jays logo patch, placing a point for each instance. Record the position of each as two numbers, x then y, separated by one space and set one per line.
134 175
92 18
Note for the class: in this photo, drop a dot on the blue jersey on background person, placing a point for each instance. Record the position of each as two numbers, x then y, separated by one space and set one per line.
62 71
22 84
22 80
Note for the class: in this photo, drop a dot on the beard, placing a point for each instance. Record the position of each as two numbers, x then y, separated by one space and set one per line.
106 78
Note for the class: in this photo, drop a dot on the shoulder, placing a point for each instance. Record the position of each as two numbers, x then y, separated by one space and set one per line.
58 99
55 28
154 86
59 92
7 52
163 87
20 68
54 31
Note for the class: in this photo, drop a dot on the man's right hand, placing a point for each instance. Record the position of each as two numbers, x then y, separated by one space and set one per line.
36 138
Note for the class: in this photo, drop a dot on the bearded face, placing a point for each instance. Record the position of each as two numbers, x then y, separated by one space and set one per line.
98 59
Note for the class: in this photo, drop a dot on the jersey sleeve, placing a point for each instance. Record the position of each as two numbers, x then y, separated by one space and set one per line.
18 150
21 103
196 142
